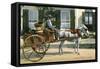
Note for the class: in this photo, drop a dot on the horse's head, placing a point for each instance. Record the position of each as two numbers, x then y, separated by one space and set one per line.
84 31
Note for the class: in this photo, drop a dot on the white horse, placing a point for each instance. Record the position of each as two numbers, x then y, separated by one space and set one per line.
68 34
74 36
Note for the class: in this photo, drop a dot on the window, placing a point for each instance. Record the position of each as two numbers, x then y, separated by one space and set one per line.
33 18
65 19
88 17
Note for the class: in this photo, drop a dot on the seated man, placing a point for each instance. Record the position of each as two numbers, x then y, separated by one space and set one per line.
52 28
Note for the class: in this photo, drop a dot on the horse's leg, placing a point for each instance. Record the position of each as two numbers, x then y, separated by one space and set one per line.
77 45
60 47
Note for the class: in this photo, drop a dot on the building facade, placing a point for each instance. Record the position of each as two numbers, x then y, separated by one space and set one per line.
64 18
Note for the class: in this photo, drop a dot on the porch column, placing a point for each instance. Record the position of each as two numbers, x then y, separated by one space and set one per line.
78 17
21 19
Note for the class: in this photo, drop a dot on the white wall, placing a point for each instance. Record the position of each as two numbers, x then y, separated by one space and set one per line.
78 17
5 25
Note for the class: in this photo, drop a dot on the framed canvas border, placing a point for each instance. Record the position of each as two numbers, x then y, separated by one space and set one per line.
15 33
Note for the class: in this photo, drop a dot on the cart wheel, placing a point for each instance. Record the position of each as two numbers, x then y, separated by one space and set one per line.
39 45
31 55
34 49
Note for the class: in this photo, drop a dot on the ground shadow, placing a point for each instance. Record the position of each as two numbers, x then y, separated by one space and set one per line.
57 53
82 46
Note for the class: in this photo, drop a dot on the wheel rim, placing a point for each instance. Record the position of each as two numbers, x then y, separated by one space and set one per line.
32 56
29 53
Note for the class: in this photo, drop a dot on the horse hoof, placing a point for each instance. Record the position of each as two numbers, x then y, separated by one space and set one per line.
60 53
78 53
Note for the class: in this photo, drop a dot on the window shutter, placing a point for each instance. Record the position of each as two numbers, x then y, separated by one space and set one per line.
41 15
83 17
57 23
94 21
25 21
72 19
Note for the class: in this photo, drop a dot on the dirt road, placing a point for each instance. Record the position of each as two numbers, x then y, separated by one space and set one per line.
52 55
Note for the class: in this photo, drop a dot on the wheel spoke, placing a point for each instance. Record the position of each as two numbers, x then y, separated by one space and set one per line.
33 50
30 54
